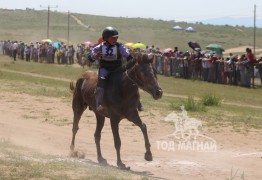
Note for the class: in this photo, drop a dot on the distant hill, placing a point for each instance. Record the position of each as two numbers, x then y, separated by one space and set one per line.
246 22
31 25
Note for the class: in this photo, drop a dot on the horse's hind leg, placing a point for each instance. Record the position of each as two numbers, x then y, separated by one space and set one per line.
100 120
78 108
115 130
134 117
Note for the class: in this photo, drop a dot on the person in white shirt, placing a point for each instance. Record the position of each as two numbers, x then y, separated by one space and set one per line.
15 45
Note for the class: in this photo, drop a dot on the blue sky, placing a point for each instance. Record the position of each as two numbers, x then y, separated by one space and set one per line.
178 10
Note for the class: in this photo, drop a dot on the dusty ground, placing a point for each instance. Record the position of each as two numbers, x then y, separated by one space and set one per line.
45 124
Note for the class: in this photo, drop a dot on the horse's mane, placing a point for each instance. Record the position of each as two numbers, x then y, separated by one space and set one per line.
143 56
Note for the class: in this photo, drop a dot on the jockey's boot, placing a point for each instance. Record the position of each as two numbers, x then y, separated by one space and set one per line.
99 98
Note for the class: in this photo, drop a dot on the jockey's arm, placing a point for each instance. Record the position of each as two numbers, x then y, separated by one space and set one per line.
95 54
89 57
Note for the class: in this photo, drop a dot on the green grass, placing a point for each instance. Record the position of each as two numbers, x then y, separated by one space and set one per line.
211 100
199 89
32 27
21 163
34 85
240 118
59 71
192 105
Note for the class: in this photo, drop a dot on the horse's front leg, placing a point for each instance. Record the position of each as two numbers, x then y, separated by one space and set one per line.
115 129
134 117
100 120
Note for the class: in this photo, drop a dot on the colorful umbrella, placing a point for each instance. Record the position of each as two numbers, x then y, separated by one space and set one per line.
194 45
47 40
129 44
57 44
167 50
139 45
215 47
88 43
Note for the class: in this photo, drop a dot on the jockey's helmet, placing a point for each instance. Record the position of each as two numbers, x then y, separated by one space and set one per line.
109 32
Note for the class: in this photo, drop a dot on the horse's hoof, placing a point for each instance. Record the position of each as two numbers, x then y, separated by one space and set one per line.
72 147
73 154
123 166
148 156
102 161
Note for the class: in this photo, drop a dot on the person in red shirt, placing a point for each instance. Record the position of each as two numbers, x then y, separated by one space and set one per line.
250 55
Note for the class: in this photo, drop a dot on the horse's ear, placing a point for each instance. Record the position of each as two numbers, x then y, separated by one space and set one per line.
139 57
150 57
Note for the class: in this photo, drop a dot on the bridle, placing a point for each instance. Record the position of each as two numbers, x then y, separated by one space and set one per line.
134 81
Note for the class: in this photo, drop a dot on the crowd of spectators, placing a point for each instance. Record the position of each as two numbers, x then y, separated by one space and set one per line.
207 66
45 52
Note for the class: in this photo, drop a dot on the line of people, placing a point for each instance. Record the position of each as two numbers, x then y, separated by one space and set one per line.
45 52
210 66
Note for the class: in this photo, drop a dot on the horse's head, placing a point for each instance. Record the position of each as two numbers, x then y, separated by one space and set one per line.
145 75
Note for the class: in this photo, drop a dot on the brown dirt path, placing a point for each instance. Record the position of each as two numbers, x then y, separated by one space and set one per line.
44 124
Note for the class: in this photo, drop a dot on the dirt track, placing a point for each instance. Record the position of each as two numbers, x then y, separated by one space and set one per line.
29 121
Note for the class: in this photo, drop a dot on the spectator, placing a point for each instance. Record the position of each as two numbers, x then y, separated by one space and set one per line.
49 53
14 47
70 54
159 61
205 67
259 67
27 53
59 55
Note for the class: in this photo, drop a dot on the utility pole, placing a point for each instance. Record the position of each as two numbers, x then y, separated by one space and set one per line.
68 25
48 18
254 29
253 72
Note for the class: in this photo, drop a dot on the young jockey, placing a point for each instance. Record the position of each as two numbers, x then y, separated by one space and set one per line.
109 54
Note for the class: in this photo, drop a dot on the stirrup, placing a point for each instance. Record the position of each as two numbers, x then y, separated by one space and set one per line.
100 108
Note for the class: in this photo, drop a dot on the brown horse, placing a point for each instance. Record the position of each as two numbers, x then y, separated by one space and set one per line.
141 75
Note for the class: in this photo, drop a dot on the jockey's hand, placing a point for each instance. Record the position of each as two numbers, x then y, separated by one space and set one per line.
90 58
98 55
130 57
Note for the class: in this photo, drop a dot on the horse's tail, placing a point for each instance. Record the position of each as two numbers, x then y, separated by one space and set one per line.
72 87
77 87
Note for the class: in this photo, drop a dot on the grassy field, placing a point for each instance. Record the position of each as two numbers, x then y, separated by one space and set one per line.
22 163
32 26
239 103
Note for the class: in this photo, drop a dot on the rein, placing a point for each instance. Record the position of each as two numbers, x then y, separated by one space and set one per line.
134 80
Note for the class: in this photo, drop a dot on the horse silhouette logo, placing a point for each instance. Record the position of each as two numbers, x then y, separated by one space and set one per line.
186 128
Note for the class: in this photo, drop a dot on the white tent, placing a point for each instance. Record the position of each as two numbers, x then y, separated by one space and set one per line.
190 29
177 28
